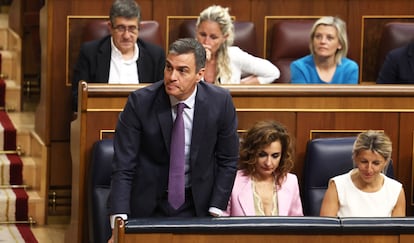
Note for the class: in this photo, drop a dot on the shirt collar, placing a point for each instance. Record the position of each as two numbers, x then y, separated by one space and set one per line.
189 102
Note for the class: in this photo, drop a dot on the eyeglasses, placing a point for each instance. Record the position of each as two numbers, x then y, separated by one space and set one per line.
122 29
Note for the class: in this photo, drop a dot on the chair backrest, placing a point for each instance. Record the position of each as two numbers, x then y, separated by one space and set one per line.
325 158
290 41
394 35
98 190
96 29
150 32
244 34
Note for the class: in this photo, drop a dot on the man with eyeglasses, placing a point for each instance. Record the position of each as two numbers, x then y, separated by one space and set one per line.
121 57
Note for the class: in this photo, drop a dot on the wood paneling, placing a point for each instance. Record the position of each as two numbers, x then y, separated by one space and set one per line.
248 118
60 152
269 238
405 155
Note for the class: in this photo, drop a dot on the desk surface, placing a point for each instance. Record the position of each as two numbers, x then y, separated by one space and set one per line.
228 225
274 225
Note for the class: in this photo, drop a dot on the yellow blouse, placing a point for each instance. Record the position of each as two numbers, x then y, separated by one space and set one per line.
258 205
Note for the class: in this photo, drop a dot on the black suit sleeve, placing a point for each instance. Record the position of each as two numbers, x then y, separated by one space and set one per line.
227 152
151 62
160 65
388 73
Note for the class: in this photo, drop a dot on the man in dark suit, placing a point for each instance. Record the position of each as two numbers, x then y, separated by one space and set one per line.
120 57
142 142
398 67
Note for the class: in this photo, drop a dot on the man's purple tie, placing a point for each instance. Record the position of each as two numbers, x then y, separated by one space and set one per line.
176 187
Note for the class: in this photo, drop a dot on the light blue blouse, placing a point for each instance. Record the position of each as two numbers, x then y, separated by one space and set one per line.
303 71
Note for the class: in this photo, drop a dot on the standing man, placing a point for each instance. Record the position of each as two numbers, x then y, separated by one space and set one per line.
121 57
142 163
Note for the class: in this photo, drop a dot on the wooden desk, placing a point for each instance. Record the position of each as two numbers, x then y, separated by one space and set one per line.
308 111
264 229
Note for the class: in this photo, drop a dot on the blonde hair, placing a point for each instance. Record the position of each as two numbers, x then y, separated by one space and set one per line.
221 16
340 27
376 141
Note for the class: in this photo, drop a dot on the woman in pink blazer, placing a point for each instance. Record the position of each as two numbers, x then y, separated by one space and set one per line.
263 185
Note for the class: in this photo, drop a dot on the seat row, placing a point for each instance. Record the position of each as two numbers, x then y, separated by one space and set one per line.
325 158
291 38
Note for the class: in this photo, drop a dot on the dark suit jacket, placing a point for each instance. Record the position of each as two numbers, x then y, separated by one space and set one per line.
94 61
142 142
398 67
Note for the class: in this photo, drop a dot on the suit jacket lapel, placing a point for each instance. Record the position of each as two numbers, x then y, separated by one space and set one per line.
245 197
281 198
103 61
201 110
142 62
284 195
163 109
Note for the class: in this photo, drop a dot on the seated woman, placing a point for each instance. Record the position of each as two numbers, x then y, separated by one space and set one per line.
263 185
228 64
327 63
365 191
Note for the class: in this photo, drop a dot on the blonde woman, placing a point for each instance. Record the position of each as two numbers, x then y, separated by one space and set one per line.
227 64
327 63
365 191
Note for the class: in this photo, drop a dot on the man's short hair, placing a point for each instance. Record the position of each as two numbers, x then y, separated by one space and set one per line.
124 8
189 45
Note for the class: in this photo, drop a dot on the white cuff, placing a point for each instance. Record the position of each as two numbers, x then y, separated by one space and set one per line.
215 211
113 217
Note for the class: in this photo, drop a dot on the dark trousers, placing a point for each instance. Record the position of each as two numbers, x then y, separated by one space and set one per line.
164 208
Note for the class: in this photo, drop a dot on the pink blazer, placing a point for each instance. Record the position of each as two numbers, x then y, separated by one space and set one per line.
241 199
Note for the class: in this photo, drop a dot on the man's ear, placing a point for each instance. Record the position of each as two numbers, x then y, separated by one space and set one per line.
110 26
200 74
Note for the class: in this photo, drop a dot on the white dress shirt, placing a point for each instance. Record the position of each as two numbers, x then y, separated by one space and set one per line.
123 71
244 64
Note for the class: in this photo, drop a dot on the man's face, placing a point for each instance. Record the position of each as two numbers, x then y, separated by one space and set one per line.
180 75
125 33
